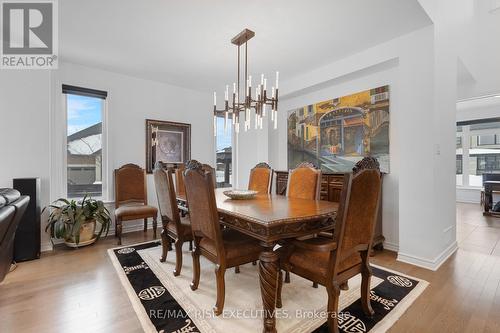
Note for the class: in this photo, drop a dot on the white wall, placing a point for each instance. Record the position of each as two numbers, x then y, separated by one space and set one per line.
32 119
411 220
380 74
24 127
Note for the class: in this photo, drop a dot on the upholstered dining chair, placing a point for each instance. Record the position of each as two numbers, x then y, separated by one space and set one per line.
179 177
131 201
179 180
304 182
333 261
226 248
208 168
261 178
175 227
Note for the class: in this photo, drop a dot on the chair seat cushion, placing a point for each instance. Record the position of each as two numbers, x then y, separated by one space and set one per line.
130 212
314 261
185 226
236 245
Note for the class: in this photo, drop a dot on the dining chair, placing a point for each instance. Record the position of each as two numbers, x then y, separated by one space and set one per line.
333 261
226 248
304 182
131 201
261 178
179 180
175 227
208 168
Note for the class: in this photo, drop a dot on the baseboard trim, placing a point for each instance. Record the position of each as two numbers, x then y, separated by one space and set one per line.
432 265
127 227
391 246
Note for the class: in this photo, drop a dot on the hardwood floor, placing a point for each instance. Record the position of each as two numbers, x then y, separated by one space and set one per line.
79 291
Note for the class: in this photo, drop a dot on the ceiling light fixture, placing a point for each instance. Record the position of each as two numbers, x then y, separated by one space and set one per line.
257 102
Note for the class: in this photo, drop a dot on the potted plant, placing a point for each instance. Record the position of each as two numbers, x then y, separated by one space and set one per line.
75 222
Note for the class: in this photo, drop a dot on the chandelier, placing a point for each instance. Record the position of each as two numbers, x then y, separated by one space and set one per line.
247 101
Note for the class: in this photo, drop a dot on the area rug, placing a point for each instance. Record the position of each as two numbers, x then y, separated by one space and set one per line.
165 304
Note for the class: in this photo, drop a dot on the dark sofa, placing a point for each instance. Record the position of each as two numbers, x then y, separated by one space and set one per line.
12 208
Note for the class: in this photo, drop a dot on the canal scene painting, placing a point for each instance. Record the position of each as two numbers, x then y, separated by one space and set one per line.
336 133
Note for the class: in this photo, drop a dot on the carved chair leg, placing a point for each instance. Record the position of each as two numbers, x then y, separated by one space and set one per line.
190 245
145 224
254 263
344 285
221 289
366 275
333 307
237 269
178 257
118 228
315 284
196 269
287 277
280 286
165 245
155 225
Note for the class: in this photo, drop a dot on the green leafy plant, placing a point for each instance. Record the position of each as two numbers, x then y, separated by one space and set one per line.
66 217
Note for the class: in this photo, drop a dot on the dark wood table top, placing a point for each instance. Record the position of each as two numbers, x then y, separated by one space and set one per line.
272 209
271 217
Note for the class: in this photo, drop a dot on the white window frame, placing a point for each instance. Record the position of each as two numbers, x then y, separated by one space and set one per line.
105 196
234 140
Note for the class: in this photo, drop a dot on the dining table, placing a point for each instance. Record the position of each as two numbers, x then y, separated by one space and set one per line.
271 219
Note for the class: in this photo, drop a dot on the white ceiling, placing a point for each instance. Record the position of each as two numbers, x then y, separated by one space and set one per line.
187 43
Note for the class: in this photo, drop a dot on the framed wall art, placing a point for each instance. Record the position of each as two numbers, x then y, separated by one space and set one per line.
168 142
336 133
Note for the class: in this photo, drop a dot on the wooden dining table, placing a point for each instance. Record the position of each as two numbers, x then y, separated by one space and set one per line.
272 218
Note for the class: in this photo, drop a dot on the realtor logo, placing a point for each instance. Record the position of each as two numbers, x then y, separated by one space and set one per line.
29 34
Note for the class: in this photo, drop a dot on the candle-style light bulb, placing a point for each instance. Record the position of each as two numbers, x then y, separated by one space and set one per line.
250 80
215 98
234 88
273 92
227 93
265 84
277 79
215 125
225 121
261 78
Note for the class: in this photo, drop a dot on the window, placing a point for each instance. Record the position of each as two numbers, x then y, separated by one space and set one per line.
478 151
85 113
224 154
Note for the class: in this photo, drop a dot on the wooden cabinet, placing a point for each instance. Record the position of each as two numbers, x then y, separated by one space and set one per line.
331 186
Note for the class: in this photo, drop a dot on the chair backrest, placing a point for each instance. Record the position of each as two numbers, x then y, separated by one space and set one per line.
200 195
357 213
179 180
130 185
304 182
167 202
208 168
261 178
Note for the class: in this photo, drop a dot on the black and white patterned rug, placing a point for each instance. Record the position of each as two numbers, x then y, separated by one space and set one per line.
165 303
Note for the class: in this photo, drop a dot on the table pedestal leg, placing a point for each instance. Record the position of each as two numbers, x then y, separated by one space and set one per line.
268 271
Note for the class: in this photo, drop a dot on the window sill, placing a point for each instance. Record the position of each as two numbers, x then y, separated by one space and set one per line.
468 188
